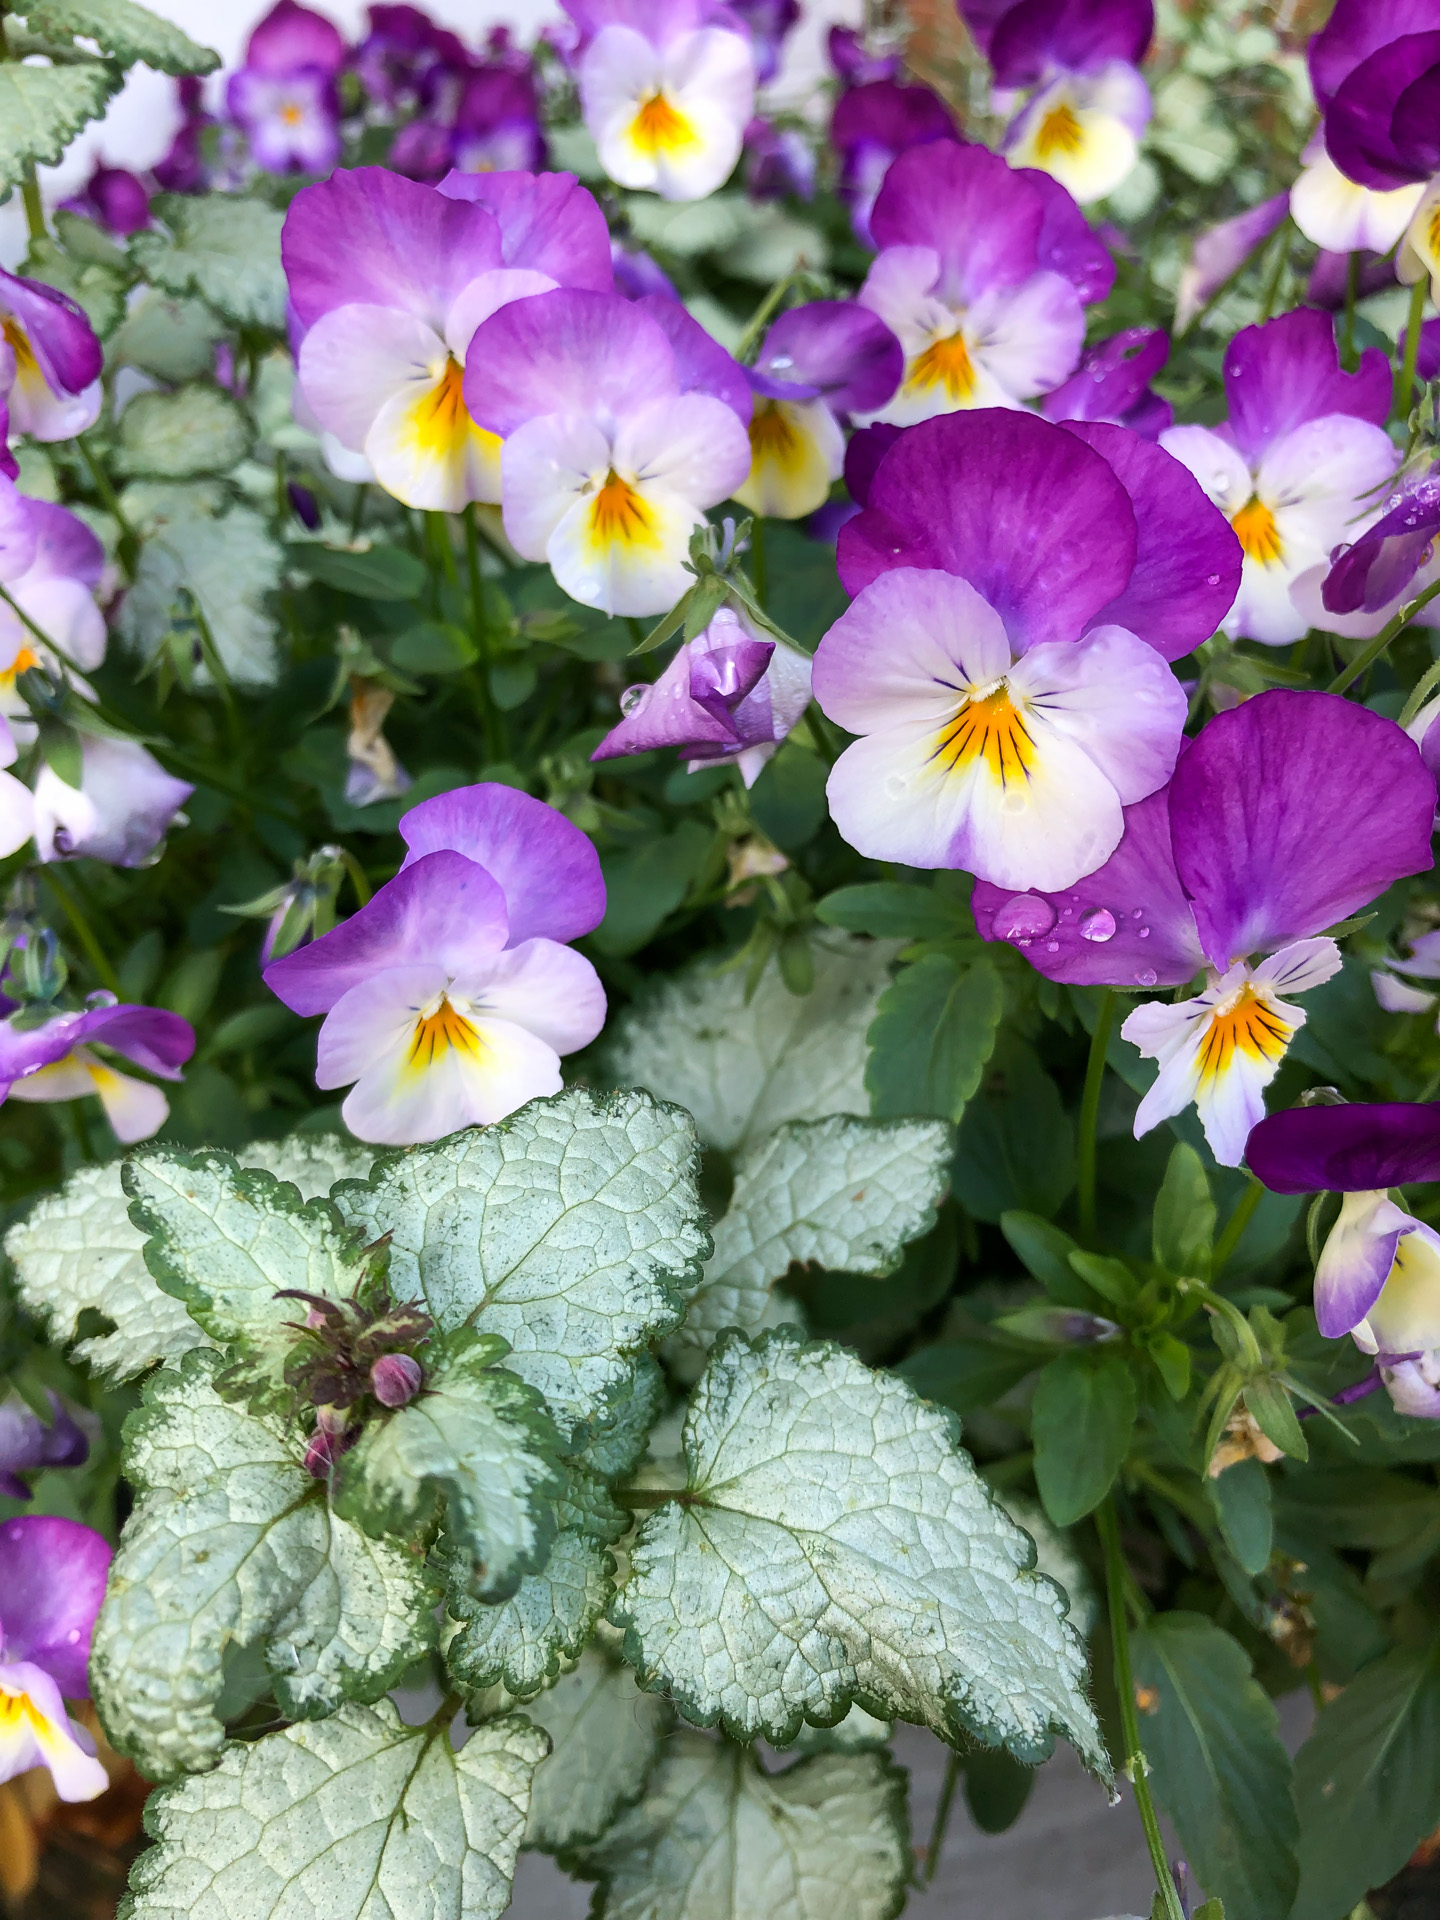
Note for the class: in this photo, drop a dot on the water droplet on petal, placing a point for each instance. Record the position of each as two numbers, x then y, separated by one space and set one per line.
1052 946
1137 913
1144 933
782 360
1212 579
1097 925
1146 977
1025 917
895 785
73 1636
633 699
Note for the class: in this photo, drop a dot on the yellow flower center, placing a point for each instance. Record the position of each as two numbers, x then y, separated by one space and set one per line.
440 418
660 127
620 517
438 1033
18 341
24 659
291 114
1060 132
773 436
991 729
1248 1024
945 363
1256 531
18 1713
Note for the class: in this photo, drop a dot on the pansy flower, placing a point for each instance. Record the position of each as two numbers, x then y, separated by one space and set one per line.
114 199
1218 253
817 363
1019 588
50 565
1297 465
1378 1275
873 123
1285 816
402 51
28 1444
667 89
767 22
1371 577
53 361
1112 383
389 280
976 277
284 95
120 812
451 995
55 1059
611 456
1392 981
52 1581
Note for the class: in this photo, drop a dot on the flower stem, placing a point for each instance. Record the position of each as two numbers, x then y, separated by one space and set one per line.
942 1817
1129 1719
1420 693
1089 1115
1405 379
1235 1226
1352 294
1366 659
84 932
34 206
757 562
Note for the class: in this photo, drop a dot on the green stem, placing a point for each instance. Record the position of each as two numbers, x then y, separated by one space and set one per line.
1352 294
1366 659
1282 258
34 206
942 1817
479 626
129 542
1089 1115
764 313
643 1499
1405 379
84 932
1129 1719
1235 1226
1420 693
757 563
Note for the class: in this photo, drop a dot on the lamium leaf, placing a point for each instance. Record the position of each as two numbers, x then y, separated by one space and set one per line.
124 32
173 339
715 1835
43 108
573 1230
616 1444
178 436
521 1643
744 1069
845 1193
355 1818
232 1543
482 1440
833 1543
226 1239
1218 1765
604 1737
225 248
229 564
95 286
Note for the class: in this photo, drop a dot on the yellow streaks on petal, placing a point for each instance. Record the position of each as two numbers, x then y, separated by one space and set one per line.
660 127
1059 132
1256 531
442 1031
774 437
1246 1023
439 419
18 342
991 729
619 516
945 363
23 661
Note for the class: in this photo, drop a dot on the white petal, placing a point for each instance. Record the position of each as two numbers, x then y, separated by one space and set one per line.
1074 139
1420 249
690 444
134 1108
428 452
17 814
546 466
1300 966
1114 697
1406 1317
1398 996
1343 217
356 358
796 451
899 289
686 146
626 561
396 1103
550 990
486 294
1215 464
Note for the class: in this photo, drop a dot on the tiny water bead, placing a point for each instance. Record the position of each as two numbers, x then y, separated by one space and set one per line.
1025 917
1146 977
1097 925
633 698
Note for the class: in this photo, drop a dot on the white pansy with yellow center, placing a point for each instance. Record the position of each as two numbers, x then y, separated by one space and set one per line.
668 114
1083 129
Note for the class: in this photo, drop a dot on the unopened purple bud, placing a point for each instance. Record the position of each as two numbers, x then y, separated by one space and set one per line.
395 1378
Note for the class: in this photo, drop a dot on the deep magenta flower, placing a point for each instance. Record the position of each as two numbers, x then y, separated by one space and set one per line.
56 1060
52 1581
1378 1275
450 997
183 169
29 1444
116 200
403 54
284 96
873 122
1393 560
1019 588
53 361
1112 383
853 61
1295 467
1282 818
768 22
497 122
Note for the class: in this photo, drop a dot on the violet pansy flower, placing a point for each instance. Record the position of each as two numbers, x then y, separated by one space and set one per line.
116 200
55 361
56 1060
1219 252
450 997
29 1444
1391 562
389 280
853 60
120 812
871 125
52 1581
611 456
976 277
1378 1275
1392 982
726 695
1297 464
1019 588
284 96
402 54
1282 818
50 565
767 22
497 122
1112 383
817 362
667 89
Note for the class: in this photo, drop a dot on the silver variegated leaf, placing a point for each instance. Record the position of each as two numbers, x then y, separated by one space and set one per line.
178 436
355 1818
573 1230
123 31
43 108
835 1544
716 1836
228 561
604 1737
232 1543
225 248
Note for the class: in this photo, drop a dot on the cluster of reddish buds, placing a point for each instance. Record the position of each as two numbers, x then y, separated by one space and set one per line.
349 1353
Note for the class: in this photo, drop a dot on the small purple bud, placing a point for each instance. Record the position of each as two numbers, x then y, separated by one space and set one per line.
395 1378
323 1453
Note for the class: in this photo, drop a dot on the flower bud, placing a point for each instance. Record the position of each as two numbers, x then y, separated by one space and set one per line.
326 1445
395 1378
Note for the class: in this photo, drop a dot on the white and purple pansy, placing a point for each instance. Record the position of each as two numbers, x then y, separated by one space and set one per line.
50 370
284 96
54 1057
52 1581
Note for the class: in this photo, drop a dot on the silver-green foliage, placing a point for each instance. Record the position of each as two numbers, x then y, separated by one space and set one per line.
604 1739
229 564
43 108
178 436
223 248
124 32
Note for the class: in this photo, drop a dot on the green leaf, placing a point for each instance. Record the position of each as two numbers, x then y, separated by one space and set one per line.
644 884
966 1374
1081 1421
827 1839
226 1239
1016 1146
173 339
827 1507
178 436
230 565
483 1441
521 1643
1218 1765
123 31
996 1788
573 1230
1275 1416
232 1542
1241 1498
225 249
1367 1781
604 1739
434 646
354 1819
372 573
1183 1230
95 286
844 1193
615 1443
1045 1249
892 910
934 1029
43 108
743 1069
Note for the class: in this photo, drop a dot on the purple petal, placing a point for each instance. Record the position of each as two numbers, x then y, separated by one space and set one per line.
291 36
1290 813
701 364
1381 564
1355 30
120 201
1220 252
159 1041
982 17
121 812
1036 522
1111 378
52 1580
1427 354
855 66
546 868
979 215
883 114
1415 127
405 245
831 347
866 450
1127 924
1347 1149
1356 1259
1329 282
61 338
570 351
65 548
444 910
548 222
19 533
1360 125
1035 37
1188 560
1068 244
637 274
28 1443
1286 372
